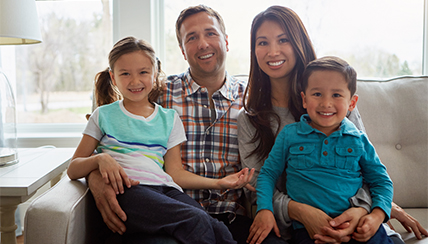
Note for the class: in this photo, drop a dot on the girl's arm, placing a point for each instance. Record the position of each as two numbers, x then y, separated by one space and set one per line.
189 180
83 162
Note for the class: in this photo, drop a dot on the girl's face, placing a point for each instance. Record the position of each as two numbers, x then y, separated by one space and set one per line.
274 52
133 74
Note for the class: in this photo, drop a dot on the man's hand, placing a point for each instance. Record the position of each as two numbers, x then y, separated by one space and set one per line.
105 199
408 222
237 180
262 225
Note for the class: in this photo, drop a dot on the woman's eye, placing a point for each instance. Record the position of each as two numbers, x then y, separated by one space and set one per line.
283 40
262 43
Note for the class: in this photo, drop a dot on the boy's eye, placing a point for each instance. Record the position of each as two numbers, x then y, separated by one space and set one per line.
316 94
337 95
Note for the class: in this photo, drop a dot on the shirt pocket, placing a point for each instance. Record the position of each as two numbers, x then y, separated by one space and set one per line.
348 157
300 156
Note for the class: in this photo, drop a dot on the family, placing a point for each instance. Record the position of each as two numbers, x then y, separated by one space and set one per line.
177 160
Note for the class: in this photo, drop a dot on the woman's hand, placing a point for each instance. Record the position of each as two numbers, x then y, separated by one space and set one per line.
408 222
113 173
238 180
342 227
262 225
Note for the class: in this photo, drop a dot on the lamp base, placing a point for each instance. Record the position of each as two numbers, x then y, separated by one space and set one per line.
8 156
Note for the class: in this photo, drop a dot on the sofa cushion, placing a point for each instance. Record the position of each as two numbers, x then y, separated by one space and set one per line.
395 115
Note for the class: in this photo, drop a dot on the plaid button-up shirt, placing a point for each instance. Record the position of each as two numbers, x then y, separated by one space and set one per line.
211 149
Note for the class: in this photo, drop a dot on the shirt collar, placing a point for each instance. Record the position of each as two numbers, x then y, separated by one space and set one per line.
346 127
227 90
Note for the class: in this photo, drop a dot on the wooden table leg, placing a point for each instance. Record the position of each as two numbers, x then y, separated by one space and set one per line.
7 223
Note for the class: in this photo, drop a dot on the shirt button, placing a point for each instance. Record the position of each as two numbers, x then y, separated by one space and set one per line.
204 89
301 148
325 153
207 160
208 132
326 142
205 106
349 150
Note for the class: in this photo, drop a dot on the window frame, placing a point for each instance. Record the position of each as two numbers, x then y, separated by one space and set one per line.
145 19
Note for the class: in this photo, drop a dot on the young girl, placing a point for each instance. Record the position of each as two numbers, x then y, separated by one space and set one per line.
135 140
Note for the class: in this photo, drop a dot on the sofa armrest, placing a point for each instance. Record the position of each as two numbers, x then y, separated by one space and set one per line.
66 213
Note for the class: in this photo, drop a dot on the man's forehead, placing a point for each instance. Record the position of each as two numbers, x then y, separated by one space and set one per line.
199 22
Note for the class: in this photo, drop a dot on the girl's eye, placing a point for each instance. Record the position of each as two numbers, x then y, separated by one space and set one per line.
316 94
124 74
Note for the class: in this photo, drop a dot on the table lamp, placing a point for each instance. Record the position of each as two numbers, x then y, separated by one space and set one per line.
19 25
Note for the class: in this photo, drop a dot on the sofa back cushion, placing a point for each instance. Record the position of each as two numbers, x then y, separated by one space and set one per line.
395 115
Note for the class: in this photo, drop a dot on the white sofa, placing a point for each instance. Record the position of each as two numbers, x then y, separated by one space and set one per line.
395 114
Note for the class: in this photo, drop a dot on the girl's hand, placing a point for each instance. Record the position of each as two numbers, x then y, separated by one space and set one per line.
262 225
237 180
368 225
342 227
113 173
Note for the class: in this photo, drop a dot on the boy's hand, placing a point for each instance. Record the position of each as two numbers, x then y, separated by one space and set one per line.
113 174
369 225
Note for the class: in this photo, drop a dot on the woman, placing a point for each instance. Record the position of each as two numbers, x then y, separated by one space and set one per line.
280 50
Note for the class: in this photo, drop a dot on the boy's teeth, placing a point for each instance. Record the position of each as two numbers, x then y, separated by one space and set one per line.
206 56
275 63
327 114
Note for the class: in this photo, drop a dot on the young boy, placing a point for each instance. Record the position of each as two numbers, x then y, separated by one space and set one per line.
326 157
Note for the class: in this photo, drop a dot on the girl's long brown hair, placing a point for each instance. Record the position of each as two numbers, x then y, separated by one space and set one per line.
258 95
106 92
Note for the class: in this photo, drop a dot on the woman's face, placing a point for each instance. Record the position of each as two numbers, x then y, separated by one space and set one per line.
274 52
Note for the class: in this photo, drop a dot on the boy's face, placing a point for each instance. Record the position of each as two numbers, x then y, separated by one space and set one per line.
327 100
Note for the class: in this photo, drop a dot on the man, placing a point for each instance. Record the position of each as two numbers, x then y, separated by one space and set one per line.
208 102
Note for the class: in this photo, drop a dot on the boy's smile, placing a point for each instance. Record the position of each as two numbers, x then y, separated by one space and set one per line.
327 100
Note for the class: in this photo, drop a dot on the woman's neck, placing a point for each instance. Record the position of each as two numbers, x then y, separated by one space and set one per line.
279 92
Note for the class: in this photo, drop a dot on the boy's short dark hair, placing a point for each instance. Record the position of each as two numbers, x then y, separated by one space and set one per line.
333 64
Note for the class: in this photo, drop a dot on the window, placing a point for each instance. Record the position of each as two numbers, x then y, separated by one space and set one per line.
53 80
381 39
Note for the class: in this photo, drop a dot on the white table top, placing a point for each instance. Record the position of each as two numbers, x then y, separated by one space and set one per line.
35 168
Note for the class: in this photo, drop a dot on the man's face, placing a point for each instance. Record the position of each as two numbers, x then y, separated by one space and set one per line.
204 46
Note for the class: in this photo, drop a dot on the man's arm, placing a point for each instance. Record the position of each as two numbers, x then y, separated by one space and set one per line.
107 204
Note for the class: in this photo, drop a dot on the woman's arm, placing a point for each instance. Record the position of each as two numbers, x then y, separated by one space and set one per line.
189 180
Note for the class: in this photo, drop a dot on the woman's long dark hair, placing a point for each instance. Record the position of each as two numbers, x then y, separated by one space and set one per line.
106 92
258 95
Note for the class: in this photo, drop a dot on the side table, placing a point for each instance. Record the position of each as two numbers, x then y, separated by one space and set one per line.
20 181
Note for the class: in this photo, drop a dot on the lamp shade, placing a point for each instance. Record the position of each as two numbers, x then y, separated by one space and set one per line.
19 23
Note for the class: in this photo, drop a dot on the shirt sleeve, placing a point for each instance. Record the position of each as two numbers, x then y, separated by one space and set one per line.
271 170
178 135
92 128
376 176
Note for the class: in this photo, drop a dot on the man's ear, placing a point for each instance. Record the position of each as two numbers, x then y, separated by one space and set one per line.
112 77
182 52
353 104
303 100
227 42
